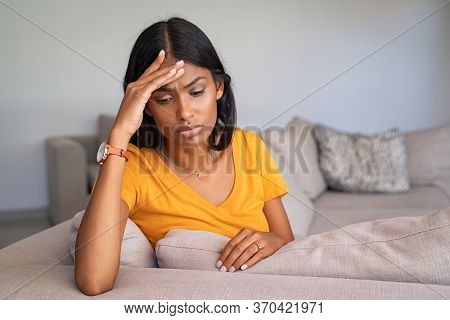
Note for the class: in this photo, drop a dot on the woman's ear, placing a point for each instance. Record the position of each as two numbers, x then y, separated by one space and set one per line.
219 90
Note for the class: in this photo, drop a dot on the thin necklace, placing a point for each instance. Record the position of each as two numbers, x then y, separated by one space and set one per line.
190 172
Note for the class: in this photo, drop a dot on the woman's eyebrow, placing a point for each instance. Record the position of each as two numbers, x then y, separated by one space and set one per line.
167 89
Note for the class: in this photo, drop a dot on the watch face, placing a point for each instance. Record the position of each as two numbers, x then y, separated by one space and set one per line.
101 152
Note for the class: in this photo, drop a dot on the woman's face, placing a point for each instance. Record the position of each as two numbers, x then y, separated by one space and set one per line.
189 100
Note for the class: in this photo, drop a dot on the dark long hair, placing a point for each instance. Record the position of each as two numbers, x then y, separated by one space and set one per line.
182 40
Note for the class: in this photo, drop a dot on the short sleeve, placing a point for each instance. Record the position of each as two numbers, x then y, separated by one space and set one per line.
130 180
272 180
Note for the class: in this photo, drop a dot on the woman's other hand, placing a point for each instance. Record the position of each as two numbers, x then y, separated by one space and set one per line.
130 115
243 252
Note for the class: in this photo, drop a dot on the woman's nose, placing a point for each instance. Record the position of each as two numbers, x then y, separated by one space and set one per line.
185 111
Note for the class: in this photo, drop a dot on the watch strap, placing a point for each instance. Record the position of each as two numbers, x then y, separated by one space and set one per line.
118 152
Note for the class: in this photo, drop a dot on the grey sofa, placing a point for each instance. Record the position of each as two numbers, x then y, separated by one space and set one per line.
41 267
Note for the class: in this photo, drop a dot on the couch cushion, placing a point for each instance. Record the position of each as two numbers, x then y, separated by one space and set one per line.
331 219
299 209
406 249
356 162
136 250
298 154
443 184
298 206
416 197
337 209
428 153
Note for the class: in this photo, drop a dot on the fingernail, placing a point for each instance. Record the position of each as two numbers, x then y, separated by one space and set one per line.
223 269
243 267
160 53
218 264
179 63
232 269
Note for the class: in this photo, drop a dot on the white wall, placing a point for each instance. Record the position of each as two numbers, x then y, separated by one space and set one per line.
276 51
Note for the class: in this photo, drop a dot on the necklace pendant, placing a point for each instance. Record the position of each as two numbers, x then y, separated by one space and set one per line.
199 175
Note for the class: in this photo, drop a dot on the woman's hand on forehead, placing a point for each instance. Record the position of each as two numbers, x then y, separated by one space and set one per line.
130 115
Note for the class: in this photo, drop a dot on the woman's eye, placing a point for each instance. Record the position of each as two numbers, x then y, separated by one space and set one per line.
197 93
163 101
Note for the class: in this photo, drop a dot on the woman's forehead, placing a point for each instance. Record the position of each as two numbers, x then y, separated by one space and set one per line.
192 74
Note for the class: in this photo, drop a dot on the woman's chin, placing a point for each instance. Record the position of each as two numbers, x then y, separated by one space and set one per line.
191 141
198 137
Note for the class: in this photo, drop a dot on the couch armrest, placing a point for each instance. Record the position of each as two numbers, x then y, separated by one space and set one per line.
67 178
49 247
90 144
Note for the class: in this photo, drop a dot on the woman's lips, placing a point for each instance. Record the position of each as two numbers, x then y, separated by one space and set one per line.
191 132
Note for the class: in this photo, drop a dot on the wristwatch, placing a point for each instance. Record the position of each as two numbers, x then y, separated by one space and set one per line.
105 150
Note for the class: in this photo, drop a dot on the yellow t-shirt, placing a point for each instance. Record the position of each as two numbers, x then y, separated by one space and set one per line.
159 200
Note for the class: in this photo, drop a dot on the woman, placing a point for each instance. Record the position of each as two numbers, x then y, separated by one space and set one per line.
177 160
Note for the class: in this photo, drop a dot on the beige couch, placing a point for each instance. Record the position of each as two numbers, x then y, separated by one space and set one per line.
41 267
330 265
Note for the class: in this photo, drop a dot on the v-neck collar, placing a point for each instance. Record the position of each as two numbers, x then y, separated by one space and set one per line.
237 176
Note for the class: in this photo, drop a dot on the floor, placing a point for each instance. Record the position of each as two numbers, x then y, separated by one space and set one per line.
15 226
